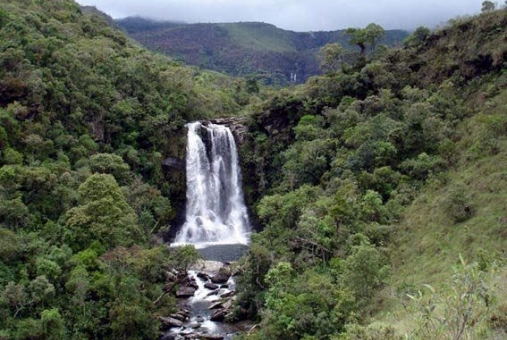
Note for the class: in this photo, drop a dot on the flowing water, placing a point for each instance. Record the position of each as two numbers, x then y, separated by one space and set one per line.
216 220
215 209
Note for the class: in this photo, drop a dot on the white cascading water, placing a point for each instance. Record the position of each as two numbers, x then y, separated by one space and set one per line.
215 209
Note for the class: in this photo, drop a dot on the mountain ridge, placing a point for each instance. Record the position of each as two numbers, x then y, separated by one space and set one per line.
276 56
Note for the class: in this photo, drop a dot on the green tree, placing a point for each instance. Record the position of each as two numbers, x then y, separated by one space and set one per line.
364 271
9 245
488 6
106 163
15 297
102 215
419 36
53 324
331 58
182 258
364 37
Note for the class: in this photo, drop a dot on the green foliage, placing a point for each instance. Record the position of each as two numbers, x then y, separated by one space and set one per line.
103 215
83 111
311 306
110 164
9 246
396 161
418 37
488 6
364 271
373 331
461 311
331 58
184 257
52 324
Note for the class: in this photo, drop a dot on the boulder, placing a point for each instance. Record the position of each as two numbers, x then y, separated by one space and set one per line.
216 305
203 276
211 336
178 316
210 286
218 315
190 282
185 292
222 276
168 322
227 305
173 163
215 292
228 294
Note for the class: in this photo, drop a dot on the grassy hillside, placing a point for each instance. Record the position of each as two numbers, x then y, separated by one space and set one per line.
240 49
381 189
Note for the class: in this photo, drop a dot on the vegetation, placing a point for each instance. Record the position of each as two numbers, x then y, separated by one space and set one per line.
379 186
86 118
270 54
381 192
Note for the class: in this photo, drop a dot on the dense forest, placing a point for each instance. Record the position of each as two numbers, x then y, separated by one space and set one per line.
379 187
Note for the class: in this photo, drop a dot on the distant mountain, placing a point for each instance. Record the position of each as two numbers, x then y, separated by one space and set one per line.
137 24
274 55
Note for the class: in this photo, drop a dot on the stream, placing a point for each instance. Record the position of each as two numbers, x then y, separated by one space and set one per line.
210 299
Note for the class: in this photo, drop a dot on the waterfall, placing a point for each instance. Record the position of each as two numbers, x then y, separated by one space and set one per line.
215 208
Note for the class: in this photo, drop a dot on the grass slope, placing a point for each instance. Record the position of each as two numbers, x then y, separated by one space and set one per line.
461 213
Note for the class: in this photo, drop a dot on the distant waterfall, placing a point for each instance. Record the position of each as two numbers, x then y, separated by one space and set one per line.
215 209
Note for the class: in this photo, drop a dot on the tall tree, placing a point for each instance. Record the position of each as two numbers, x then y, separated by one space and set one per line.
331 58
364 37
488 6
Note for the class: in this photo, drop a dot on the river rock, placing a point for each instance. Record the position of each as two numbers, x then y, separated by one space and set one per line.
169 336
194 325
192 283
224 286
222 276
216 305
215 292
168 322
219 315
227 305
210 286
185 292
203 276
178 316
228 294
211 336
200 319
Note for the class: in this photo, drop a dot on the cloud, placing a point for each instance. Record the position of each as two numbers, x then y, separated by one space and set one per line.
297 15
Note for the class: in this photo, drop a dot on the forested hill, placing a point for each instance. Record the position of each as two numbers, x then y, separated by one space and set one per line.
240 49
381 188
86 119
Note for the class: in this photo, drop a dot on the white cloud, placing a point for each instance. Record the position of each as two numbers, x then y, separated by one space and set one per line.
298 15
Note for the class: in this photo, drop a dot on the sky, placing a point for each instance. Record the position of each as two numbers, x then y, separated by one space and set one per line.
297 15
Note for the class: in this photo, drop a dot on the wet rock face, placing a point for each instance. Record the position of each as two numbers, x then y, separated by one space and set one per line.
237 126
174 164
